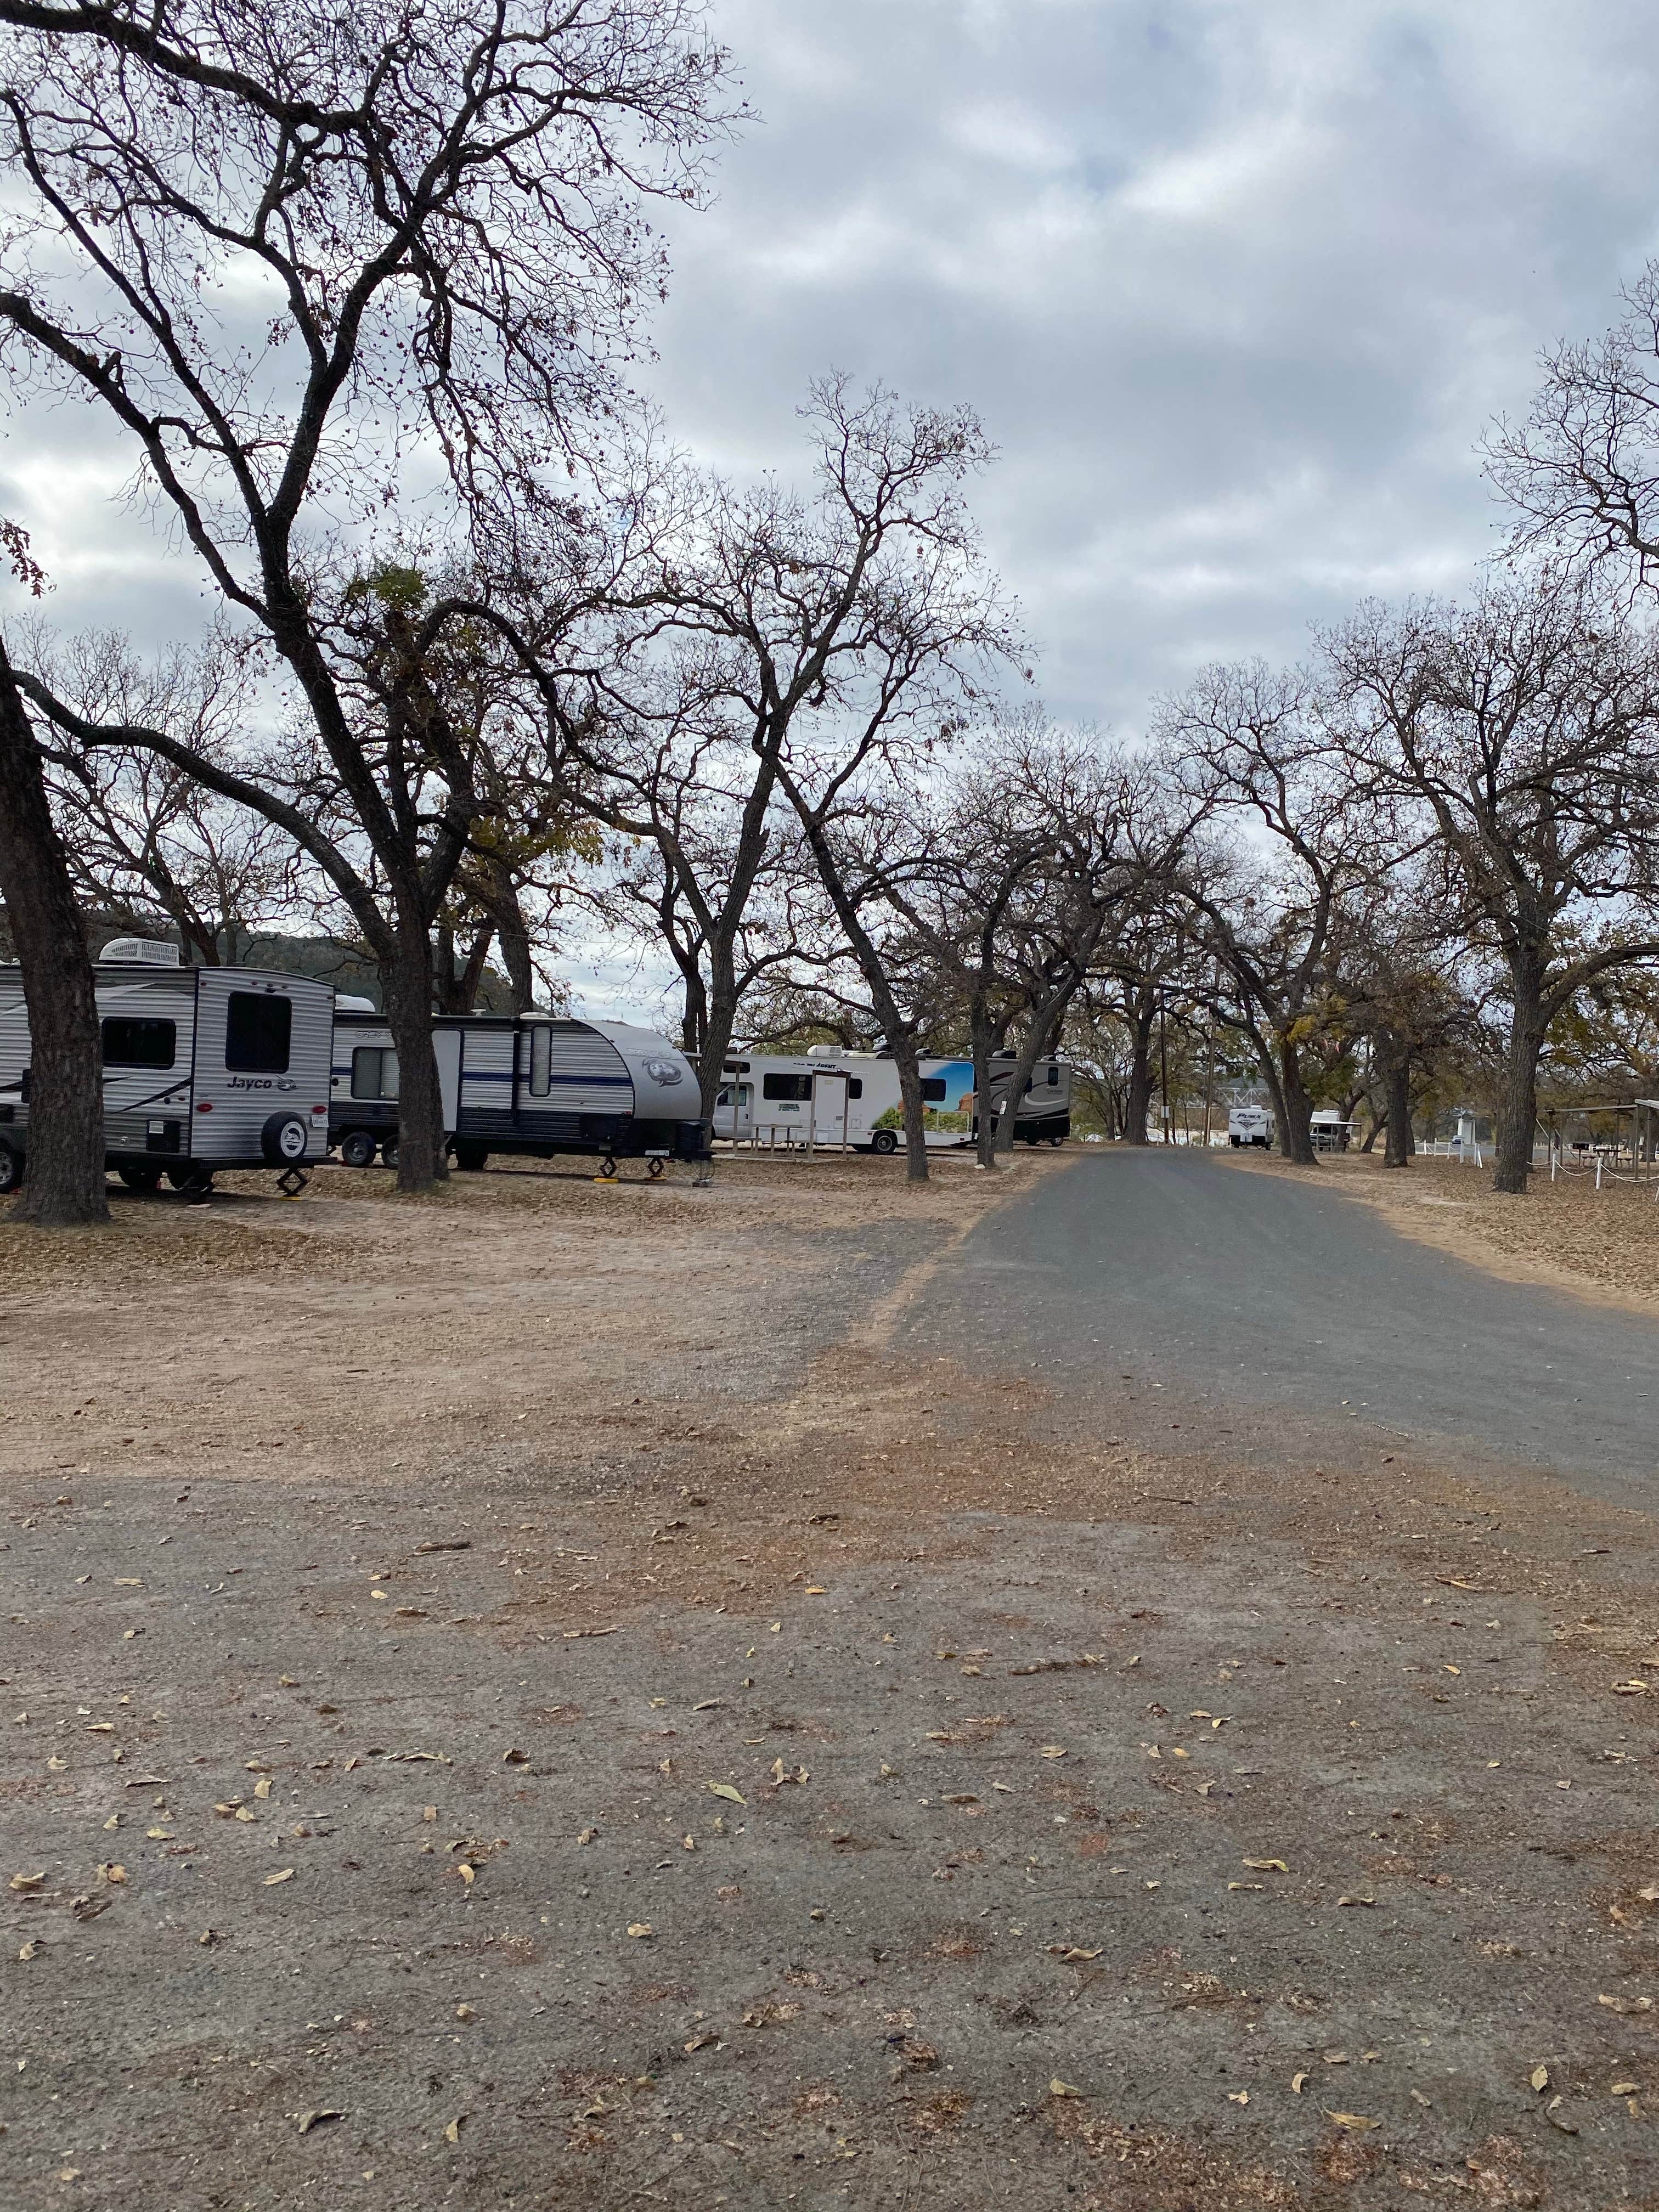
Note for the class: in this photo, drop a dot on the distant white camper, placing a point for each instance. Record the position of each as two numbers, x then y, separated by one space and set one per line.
1250 1124
203 1068
852 1098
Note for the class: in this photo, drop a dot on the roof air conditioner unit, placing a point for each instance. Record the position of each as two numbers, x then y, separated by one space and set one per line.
140 952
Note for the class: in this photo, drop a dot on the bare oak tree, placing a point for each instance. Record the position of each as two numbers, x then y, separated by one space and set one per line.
300 264
1521 730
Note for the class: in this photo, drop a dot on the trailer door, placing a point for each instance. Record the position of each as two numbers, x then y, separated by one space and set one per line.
828 1109
446 1051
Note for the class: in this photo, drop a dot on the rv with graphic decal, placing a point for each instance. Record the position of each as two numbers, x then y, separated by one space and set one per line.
851 1100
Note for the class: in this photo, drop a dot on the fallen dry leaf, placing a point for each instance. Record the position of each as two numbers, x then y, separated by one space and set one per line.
1052 1751
1058 2088
453 2132
1238 2096
1072 1953
1356 1901
1539 2077
271 1880
26 1881
1298 2083
1624 2089
113 1871
724 1789
469 1875
309 2120
262 1788
1355 2120
1266 1866
640 1928
1626 2005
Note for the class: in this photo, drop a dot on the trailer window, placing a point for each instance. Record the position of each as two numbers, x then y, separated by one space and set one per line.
933 1089
786 1086
541 1060
374 1072
855 1086
132 1042
257 1031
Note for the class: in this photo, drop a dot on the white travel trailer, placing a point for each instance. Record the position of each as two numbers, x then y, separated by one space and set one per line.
852 1098
1250 1124
203 1068
522 1082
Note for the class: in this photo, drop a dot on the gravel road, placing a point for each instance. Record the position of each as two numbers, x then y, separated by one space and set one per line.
1249 1292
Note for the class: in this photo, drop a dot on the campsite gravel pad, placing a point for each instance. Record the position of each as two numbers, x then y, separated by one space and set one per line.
990 1875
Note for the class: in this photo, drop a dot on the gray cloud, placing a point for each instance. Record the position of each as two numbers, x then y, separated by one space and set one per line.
1236 286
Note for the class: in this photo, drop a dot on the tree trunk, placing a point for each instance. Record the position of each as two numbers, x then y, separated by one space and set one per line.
984 1150
694 1014
1398 1153
63 1186
1139 1102
514 940
1517 1110
909 1063
1294 1132
1378 1128
406 986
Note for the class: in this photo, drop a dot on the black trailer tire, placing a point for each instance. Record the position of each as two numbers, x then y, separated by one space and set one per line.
885 1141
358 1148
471 1157
283 1140
1056 1138
11 1171
139 1175
388 1152
194 1180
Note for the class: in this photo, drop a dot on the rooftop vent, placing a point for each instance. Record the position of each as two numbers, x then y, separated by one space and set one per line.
140 952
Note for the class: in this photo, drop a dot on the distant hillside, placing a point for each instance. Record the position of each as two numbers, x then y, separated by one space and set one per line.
331 962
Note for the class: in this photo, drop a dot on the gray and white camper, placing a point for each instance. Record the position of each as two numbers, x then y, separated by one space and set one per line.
203 1068
526 1083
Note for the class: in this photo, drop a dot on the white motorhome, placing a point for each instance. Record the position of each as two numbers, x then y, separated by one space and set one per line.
521 1083
1250 1124
852 1099
203 1068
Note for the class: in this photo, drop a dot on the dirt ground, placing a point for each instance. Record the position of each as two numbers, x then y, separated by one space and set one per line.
530 1697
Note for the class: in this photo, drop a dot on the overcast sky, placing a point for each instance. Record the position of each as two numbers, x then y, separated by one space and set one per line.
1233 283
1236 285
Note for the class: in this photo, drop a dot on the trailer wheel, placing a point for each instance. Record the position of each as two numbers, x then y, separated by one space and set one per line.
194 1182
885 1141
1056 1138
471 1157
138 1175
284 1140
388 1152
357 1148
11 1171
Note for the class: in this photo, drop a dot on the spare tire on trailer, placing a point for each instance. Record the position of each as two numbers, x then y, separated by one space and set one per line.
283 1140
